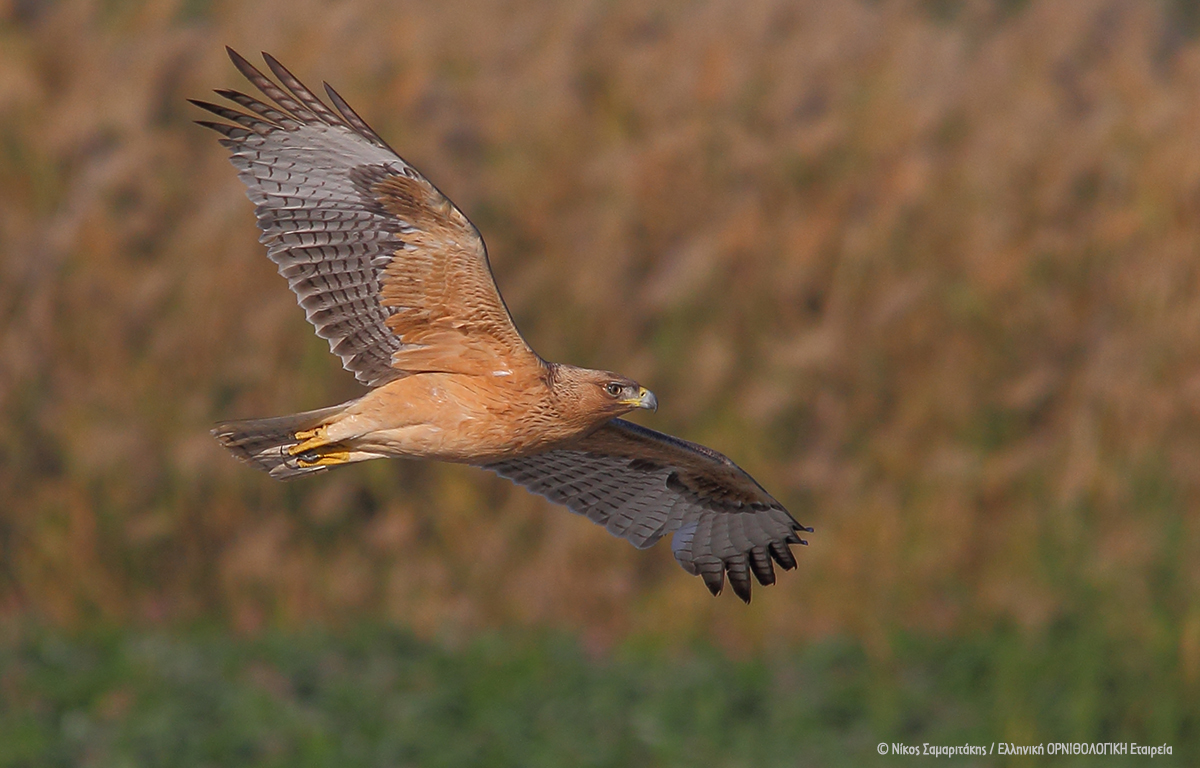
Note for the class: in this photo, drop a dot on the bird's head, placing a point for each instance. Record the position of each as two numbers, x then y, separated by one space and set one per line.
597 396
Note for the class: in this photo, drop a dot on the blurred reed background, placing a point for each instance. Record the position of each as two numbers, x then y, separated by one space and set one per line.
928 270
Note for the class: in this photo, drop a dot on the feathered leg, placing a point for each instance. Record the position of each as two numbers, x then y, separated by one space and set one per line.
287 446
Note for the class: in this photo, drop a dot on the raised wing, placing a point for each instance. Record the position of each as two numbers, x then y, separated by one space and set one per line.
642 485
387 269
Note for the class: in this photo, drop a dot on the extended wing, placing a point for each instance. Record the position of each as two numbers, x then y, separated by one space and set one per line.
642 485
387 269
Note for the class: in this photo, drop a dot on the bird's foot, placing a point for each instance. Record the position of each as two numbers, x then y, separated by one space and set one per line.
309 439
323 458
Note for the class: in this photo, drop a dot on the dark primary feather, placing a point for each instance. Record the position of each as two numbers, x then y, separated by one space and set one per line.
642 485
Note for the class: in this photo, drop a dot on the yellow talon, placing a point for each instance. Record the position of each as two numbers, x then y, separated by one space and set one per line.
326 459
308 440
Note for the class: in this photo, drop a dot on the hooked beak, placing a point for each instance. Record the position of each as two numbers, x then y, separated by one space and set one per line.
645 399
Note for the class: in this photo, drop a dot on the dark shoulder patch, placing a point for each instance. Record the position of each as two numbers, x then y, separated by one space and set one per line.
660 437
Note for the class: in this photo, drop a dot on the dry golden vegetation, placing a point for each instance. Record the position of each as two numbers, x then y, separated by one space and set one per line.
932 274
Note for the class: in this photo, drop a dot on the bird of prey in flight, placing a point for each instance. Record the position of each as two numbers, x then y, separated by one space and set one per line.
397 279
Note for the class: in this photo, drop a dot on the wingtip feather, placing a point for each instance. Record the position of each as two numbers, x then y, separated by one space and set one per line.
739 580
241 62
301 91
230 131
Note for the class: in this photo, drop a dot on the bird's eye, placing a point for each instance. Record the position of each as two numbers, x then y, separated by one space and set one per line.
614 388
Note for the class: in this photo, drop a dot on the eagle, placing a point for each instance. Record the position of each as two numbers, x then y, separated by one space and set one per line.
397 279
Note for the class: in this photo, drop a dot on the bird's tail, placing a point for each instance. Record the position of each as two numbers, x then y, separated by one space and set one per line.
270 444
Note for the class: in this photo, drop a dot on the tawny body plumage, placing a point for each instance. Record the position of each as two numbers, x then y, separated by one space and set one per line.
397 279
463 417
